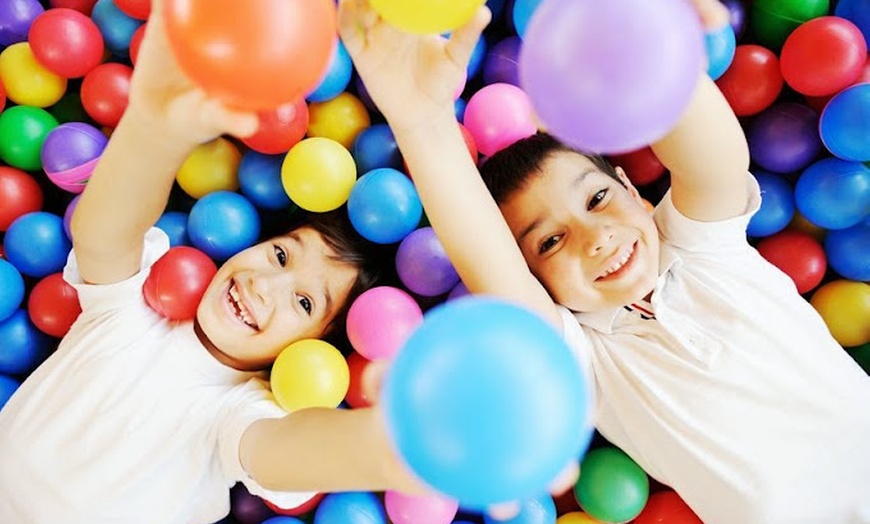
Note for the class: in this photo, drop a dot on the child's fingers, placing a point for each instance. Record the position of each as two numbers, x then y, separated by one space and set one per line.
463 40
713 13
221 120
355 19
373 379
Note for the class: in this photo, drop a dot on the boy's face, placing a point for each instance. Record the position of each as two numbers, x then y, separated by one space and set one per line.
590 241
271 295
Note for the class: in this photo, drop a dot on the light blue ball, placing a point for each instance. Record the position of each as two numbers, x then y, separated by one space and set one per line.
354 507
337 76
721 46
260 181
845 124
11 289
539 510
848 251
174 224
282 520
522 13
22 346
833 193
116 27
384 206
36 244
222 223
486 403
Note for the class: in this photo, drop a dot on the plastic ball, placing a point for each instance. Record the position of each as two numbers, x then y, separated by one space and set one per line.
260 181
834 193
612 488
255 55
71 145
848 251
474 368
423 265
280 128
136 43
84 7
375 147
68 214
353 507
784 138
174 224
66 42
380 321
578 517
281 519
105 92
36 244
737 15
384 206
420 509
2 97
522 12
628 66
116 26
475 62
20 194
16 17
340 118
138 9
845 124
642 166
777 206
22 346
11 289
223 223
53 305
823 56
856 11
501 65
539 510
844 305
309 373
337 77
753 82
497 116
721 45
8 386
318 174
26 80
666 507
177 282
458 291
357 396
212 166
247 508
427 16
798 255
773 20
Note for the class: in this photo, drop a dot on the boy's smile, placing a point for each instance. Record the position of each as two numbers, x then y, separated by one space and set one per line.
588 239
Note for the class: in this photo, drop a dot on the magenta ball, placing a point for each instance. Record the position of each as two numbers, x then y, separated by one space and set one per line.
497 116
70 145
423 509
611 76
423 266
381 320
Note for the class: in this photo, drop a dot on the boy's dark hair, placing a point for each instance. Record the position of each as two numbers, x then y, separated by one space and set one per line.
510 169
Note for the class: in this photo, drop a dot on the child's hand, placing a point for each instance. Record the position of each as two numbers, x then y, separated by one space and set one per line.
409 77
165 100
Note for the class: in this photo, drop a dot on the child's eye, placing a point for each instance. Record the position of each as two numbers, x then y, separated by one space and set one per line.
305 303
596 199
280 255
548 244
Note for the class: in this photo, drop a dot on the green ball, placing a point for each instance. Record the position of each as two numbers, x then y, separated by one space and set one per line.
861 354
22 131
612 487
773 20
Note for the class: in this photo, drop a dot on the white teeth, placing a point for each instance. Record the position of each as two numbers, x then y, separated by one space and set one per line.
241 311
618 264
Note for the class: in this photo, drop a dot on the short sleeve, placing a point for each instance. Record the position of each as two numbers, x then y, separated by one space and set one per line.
255 403
684 233
104 297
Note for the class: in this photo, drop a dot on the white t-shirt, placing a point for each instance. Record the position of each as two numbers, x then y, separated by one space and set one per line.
728 386
130 421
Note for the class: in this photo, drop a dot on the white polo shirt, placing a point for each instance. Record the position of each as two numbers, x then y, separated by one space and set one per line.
728 387
130 421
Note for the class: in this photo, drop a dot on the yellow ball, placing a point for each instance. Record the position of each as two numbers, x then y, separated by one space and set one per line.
309 373
340 119
845 307
26 81
576 517
213 166
318 174
427 16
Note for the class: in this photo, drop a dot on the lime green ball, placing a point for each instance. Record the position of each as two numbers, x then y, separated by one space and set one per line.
22 131
773 20
612 487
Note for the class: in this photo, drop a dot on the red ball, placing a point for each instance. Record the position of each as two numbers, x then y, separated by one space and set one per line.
136 42
257 54
356 397
823 56
105 92
306 507
641 166
280 128
753 81
798 255
82 6
66 42
666 507
177 282
2 97
53 305
138 9
19 193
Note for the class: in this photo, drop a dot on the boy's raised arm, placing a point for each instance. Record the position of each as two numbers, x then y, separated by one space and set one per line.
165 120
412 79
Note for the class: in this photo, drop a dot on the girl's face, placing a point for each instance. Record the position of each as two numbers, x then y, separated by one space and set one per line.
271 295
590 241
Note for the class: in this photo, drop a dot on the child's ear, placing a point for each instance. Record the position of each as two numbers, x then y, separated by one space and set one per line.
628 185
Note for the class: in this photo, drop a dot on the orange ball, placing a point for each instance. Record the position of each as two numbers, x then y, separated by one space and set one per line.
256 54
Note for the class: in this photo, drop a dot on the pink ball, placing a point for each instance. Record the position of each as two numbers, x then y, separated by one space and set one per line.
381 320
408 509
497 116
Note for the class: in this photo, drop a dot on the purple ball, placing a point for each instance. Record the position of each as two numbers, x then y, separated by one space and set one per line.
423 266
785 138
16 16
70 145
67 216
502 62
738 15
458 291
247 508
